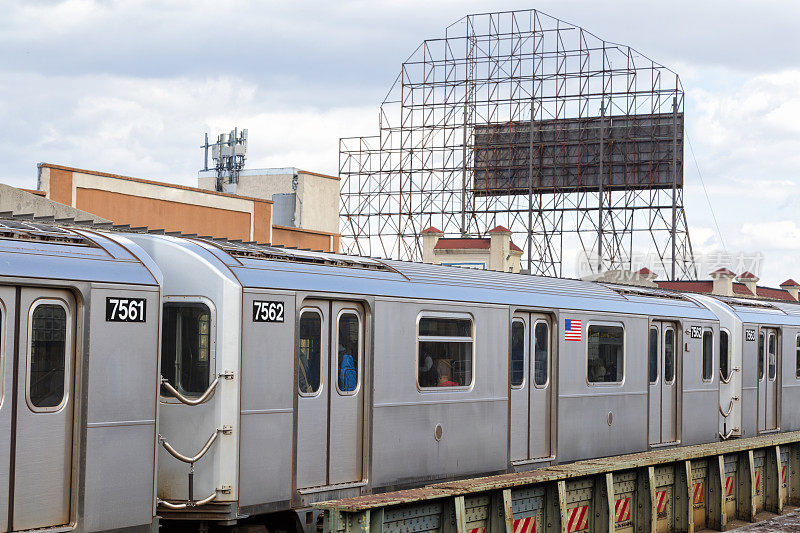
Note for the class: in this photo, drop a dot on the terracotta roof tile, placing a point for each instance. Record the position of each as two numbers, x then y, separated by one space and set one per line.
499 229
431 229
790 283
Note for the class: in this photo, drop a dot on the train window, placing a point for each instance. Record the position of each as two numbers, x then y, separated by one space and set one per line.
185 347
797 358
48 356
606 355
517 353
652 360
708 355
724 356
309 353
541 354
772 356
669 355
760 356
444 352
349 350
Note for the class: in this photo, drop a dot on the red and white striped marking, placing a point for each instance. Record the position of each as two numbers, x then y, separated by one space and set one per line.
729 486
478 530
661 501
758 480
525 525
783 475
622 509
578 518
698 493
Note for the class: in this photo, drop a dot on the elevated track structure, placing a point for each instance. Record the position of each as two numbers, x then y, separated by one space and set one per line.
683 489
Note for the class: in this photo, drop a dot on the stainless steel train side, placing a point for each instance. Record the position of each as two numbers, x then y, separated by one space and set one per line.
77 383
266 433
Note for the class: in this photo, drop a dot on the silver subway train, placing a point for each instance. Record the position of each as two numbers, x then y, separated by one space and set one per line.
151 377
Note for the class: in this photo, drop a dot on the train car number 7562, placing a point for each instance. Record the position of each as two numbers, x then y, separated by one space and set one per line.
267 311
126 310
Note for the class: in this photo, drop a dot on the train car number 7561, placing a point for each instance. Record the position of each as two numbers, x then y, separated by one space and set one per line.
126 310
264 311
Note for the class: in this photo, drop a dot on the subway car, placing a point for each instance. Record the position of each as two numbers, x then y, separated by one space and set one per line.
187 381
337 376
79 340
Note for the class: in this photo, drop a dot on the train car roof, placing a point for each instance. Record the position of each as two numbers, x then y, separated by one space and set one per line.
766 311
260 266
30 249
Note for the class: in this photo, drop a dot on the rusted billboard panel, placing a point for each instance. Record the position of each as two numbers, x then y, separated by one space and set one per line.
637 153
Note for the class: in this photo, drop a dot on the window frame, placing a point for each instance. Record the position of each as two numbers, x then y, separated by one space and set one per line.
212 342
3 336
525 350
707 331
549 351
772 333
797 357
727 333
456 316
657 330
322 354
663 344
349 311
69 347
608 384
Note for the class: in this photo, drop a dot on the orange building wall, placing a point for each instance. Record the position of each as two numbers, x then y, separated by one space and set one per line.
162 214
313 240
61 186
102 198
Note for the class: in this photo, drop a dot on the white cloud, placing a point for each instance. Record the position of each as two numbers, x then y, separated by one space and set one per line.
130 87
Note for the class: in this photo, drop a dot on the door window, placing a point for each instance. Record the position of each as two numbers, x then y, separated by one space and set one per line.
517 353
760 356
309 353
724 356
708 355
185 347
348 350
772 356
669 355
48 356
541 354
653 356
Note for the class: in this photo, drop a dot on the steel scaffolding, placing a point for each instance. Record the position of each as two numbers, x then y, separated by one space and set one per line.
522 120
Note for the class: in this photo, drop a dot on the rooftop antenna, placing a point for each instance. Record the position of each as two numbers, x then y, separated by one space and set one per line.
228 153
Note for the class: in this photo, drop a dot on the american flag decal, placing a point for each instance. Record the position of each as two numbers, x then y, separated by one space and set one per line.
572 329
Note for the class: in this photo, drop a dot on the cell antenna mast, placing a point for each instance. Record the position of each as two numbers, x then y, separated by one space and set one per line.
228 155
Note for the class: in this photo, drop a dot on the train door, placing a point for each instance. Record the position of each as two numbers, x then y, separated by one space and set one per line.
664 383
531 393
520 396
768 361
330 410
42 431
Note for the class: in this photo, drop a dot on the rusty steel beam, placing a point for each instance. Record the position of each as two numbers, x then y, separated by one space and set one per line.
678 489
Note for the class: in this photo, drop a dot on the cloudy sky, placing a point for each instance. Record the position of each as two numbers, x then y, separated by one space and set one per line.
130 87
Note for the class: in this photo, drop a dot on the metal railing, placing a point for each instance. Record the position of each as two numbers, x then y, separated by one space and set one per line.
185 399
185 505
